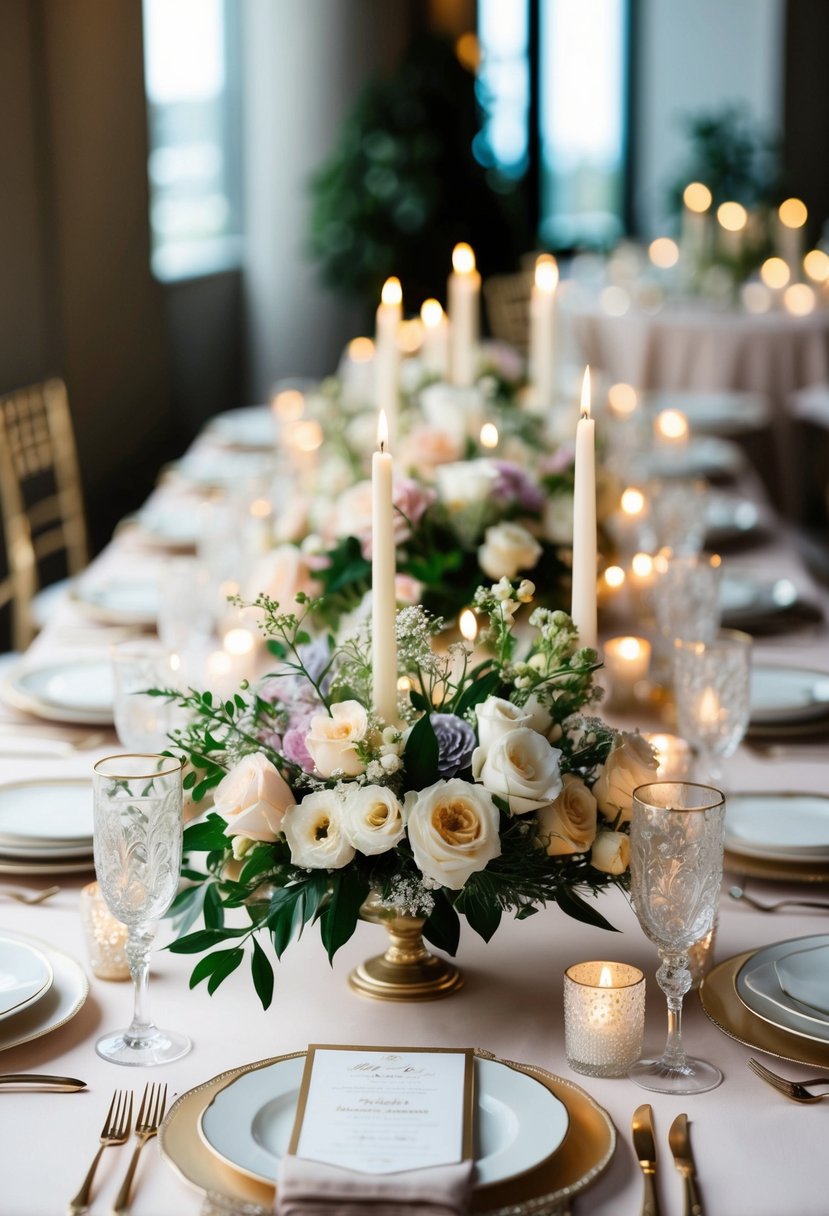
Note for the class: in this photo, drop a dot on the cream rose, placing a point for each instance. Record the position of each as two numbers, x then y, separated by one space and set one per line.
465 483
568 825
558 519
631 762
282 574
508 548
332 740
453 830
522 767
497 716
314 829
372 819
611 852
253 798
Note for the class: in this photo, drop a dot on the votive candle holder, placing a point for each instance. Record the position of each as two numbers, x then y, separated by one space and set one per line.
604 1017
106 937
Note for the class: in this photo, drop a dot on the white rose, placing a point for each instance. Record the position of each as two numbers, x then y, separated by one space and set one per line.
253 797
372 818
611 852
315 832
465 483
631 762
539 715
497 716
568 825
522 767
453 830
458 410
332 741
558 519
508 548
352 515
281 574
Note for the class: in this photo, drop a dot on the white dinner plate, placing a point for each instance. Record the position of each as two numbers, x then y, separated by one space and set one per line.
217 469
250 428
758 987
707 456
25 975
46 812
174 526
714 413
788 694
64 690
65 997
20 868
119 601
783 825
729 517
804 976
749 598
519 1122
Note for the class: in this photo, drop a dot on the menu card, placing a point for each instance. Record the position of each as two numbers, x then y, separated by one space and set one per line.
381 1110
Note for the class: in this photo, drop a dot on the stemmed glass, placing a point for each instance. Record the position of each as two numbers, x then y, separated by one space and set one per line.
142 722
676 850
685 598
137 843
712 688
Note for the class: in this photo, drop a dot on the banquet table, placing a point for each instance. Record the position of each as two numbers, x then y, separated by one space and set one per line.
756 1152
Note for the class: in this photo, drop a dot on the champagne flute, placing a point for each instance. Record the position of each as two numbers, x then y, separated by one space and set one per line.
137 843
676 849
713 702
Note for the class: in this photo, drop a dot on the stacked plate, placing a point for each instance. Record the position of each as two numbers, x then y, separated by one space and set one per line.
41 988
761 604
730 519
249 429
778 835
706 456
788 700
46 826
77 690
787 985
715 413
119 600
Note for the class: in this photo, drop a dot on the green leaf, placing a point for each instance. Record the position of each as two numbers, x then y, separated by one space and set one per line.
339 919
525 912
279 649
483 916
281 925
258 861
422 754
262 972
188 781
206 966
214 913
209 834
573 904
419 702
240 701
477 692
229 708
443 928
203 939
232 959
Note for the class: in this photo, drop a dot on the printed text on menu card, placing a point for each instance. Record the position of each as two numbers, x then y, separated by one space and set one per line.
382 1110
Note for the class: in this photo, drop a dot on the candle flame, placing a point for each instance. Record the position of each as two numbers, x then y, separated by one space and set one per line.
622 399
605 977
431 313
642 565
585 393
799 299
630 648
775 273
361 350
260 508
382 431
816 265
732 216
672 424
463 258
289 404
468 625
489 435
793 213
663 252
546 273
307 435
633 501
238 641
708 709
697 197
392 292
614 576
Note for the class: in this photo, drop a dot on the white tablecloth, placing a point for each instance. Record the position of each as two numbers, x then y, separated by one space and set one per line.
757 1153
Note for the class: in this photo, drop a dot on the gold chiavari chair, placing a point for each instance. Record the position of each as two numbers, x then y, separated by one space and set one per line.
507 299
40 496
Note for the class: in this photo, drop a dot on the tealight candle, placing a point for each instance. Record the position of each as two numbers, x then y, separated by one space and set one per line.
697 201
604 1017
627 661
435 347
671 428
106 937
732 219
792 215
673 756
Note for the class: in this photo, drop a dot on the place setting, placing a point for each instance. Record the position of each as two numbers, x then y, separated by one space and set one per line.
46 826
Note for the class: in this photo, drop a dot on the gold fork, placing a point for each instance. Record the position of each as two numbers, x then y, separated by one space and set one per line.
31 897
150 1114
796 1090
116 1130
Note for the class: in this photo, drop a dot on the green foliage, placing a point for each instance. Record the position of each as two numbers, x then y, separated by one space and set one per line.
731 156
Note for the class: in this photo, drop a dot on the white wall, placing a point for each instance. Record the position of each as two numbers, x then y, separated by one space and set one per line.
305 62
697 55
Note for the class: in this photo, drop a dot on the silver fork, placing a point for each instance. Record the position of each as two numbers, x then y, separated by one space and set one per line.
116 1130
796 1090
31 897
743 897
150 1114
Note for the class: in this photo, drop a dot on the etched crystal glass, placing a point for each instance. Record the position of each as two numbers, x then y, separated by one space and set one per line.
676 851
142 722
712 681
685 600
137 842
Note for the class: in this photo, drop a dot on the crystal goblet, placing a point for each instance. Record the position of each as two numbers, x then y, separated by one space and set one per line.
137 844
712 689
676 850
142 722
685 599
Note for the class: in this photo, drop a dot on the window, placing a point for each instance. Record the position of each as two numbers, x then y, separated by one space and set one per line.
191 53
553 86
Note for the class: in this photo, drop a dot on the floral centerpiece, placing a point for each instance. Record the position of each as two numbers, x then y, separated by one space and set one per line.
497 790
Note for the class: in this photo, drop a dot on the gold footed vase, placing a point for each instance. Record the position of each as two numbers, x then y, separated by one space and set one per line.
407 971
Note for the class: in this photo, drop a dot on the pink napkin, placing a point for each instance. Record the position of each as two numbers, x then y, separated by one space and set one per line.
311 1188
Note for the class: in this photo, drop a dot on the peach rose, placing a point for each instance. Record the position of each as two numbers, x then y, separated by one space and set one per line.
332 739
253 798
568 825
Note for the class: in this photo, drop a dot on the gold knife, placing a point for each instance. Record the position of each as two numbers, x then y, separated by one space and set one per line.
643 1143
42 1081
680 1143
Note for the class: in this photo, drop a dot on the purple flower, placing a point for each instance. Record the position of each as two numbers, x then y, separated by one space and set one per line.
456 743
514 485
294 749
560 461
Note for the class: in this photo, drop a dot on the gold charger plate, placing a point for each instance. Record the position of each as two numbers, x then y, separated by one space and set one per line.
718 994
586 1152
775 869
